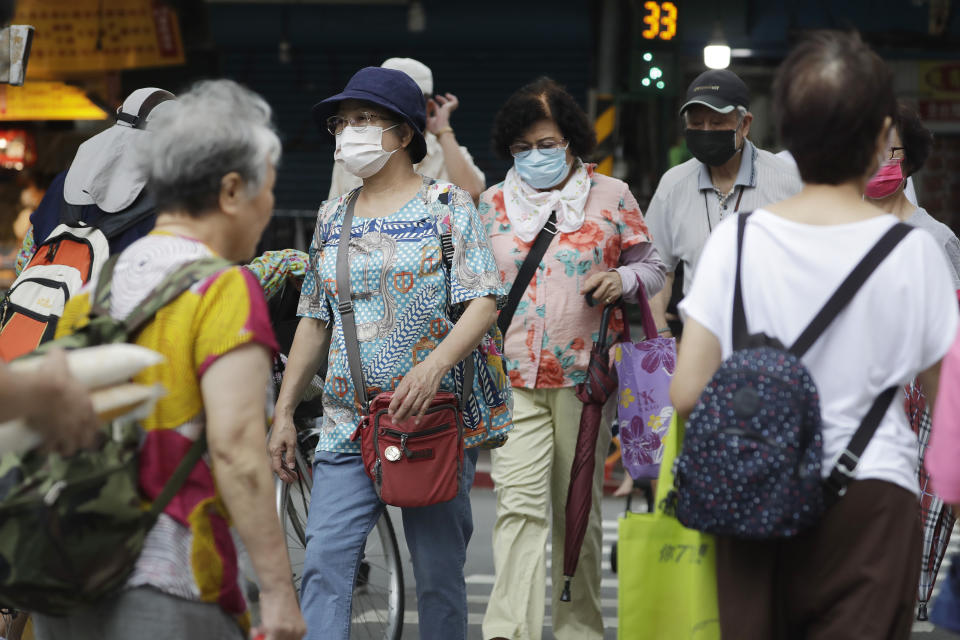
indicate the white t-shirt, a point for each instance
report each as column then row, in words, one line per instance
column 901, row 322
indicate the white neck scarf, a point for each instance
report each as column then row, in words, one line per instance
column 529, row 209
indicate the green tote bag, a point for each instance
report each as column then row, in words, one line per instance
column 667, row 573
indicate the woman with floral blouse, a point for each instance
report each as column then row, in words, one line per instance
column 602, row 247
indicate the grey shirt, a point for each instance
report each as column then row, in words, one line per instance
column 944, row 237
column 685, row 207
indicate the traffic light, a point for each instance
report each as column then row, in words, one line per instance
column 652, row 71
column 655, row 34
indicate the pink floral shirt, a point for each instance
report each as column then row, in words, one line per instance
column 549, row 340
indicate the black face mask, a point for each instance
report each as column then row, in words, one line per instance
column 712, row 148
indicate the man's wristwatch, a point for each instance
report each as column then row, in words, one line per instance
column 664, row 330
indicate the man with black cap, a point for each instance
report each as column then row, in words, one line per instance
column 726, row 175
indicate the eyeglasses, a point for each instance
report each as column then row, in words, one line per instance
column 894, row 151
column 522, row 149
column 335, row 124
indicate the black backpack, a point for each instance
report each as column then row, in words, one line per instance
column 750, row 466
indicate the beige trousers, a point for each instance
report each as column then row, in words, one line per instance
column 531, row 474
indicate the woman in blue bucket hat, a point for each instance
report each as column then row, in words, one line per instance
column 408, row 343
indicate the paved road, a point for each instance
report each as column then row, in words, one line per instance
column 479, row 572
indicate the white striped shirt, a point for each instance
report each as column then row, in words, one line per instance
column 685, row 207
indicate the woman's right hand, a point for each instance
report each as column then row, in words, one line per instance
column 282, row 447
column 281, row 618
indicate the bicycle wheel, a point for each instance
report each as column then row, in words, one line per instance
column 378, row 594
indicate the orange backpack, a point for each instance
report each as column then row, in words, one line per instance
column 67, row 259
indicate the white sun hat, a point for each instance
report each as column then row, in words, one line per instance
column 104, row 172
column 420, row 72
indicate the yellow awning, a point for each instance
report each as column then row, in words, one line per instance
column 37, row 100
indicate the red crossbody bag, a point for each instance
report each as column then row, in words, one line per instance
column 412, row 464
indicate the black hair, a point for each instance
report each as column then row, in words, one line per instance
column 830, row 97
column 542, row 98
column 915, row 139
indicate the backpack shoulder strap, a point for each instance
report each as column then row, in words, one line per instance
column 113, row 225
column 174, row 284
column 844, row 470
column 849, row 287
column 171, row 287
column 100, row 297
column 70, row 214
column 740, row 332
column 179, row 477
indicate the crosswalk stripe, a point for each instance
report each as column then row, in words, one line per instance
column 605, row 548
column 476, row 619
column 605, row 603
column 488, row 578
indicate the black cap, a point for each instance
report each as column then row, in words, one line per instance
column 720, row 89
column 391, row 89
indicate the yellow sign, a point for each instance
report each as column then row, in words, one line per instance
column 47, row 101
column 660, row 19
column 99, row 35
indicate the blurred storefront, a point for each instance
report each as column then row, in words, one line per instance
column 75, row 80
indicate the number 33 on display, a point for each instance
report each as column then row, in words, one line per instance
column 661, row 20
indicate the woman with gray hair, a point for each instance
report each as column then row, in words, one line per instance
column 211, row 165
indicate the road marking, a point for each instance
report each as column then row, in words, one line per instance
column 605, row 603
column 476, row 619
column 488, row 578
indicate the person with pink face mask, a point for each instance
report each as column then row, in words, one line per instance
column 910, row 144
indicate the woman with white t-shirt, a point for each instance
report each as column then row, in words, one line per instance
column 855, row 573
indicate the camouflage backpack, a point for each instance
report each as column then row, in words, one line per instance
column 71, row 529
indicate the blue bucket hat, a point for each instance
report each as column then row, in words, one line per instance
column 391, row 89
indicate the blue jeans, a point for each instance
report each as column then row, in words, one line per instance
column 344, row 507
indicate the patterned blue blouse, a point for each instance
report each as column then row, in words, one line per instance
column 402, row 299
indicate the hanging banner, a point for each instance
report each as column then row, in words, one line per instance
column 99, row 35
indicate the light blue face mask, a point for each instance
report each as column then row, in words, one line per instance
column 543, row 168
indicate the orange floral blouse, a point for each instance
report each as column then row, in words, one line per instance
column 549, row 340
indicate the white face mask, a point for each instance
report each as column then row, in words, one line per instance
column 361, row 152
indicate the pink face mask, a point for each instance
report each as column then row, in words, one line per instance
column 886, row 181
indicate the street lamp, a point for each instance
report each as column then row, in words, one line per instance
column 716, row 54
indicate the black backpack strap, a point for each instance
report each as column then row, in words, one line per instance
column 740, row 333
column 843, row 472
column 849, row 287
column 527, row 269
column 70, row 214
column 112, row 225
